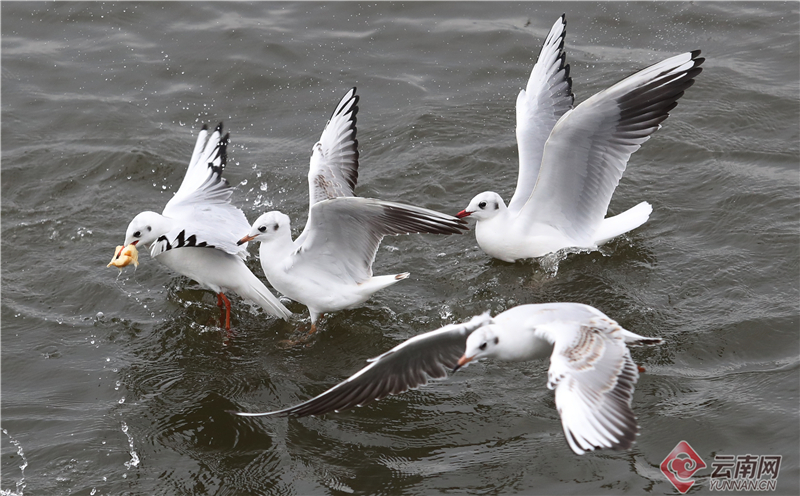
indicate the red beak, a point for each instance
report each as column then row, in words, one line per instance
column 463, row 214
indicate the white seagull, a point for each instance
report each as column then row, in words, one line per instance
column 591, row 368
column 571, row 160
column 329, row 266
column 195, row 234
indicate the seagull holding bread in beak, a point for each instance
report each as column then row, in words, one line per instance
column 195, row 234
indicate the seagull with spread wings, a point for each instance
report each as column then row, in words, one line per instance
column 195, row 234
column 571, row 159
column 591, row 368
column 329, row 266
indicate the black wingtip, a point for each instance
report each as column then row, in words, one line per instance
column 352, row 180
column 219, row 128
column 223, row 151
column 647, row 342
column 204, row 128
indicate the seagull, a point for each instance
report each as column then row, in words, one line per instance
column 591, row 369
column 193, row 234
column 571, row 159
column 329, row 266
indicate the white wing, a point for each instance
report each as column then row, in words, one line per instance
column 544, row 100
column 203, row 181
column 343, row 234
column 333, row 169
column 201, row 207
column 406, row 366
column 593, row 375
column 589, row 147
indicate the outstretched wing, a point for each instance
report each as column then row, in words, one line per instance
column 544, row 100
column 333, row 169
column 593, row 376
column 589, row 147
column 203, row 182
column 406, row 366
column 201, row 207
column 344, row 233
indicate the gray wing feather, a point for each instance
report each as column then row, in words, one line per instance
column 589, row 147
column 346, row 232
column 593, row 376
column 406, row 366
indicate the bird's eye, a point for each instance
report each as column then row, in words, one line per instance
column 262, row 229
column 275, row 227
column 483, row 345
column 496, row 340
column 149, row 228
column 137, row 234
column 482, row 205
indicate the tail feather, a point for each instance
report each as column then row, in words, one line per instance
column 611, row 227
column 376, row 283
column 633, row 339
column 253, row 289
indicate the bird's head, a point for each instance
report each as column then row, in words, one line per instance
column 268, row 227
column 483, row 343
column 145, row 228
column 484, row 206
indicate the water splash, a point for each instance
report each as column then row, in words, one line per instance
column 134, row 461
column 549, row 263
column 20, row 484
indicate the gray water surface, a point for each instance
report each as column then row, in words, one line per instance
column 120, row 384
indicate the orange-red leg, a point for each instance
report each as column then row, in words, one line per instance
column 223, row 300
column 304, row 339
